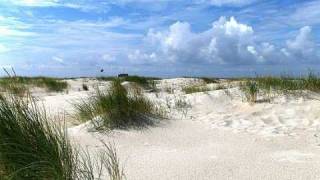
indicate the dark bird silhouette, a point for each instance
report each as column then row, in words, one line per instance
column 101, row 70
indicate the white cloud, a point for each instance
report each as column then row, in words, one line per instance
column 137, row 57
column 35, row 3
column 307, row 13
column 58, row 59
column 303, row 46
column 108, row 58
column 3, row 49
column 227, row 2
column 226, row 42
column 7, row 31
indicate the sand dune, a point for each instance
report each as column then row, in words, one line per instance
column 217, row 136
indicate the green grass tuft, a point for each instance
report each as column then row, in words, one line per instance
column 30, row 146
column 33, row 148
column 195, row 89
column 145, row 82
column 117, row 108
column 20, row 83
column 251, row 91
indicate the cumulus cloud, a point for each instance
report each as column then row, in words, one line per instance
column 303, row 46
column 226, row 42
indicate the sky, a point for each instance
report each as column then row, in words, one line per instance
column 167, row 38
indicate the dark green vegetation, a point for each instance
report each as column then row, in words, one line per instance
column 85, row 87
column 208, row 80
column 117, row 108
column 19, row 84
column 145, row 82
column 32, row 148
column 195, row 89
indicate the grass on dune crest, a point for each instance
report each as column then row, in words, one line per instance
column 283, row 84
column 145, row 82
column 287, row 83
column 117, row 108
column 32, row 148
column 195, row 89
column 51, row 84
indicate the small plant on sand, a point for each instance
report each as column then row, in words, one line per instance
column 117, row 108
column 32, row 148
column 85, row 87
column 251, row 91
column 182, row 105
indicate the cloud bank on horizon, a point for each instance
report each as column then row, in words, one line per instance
column 160, row 37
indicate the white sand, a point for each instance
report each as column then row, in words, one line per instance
column 219, row 137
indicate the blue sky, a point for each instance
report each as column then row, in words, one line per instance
column 160, row 37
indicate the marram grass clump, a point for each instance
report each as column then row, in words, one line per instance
column 251, row 90
column 118, row 108
column 20, row 84
column 196, row 88
column 32, row 148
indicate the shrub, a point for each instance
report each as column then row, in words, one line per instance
column 117, row 108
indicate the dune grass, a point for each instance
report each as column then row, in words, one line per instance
column 195, row 89
column 117, row 108
column 208, row 80
column 23, row 83
column 33, row 148
column 145, row 82
column 286, row 83
column 250, row 88
column 30, row 148
column 282, row 84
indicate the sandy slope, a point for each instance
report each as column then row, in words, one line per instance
column 219, row 137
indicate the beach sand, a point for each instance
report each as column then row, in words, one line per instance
column 218, row 136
